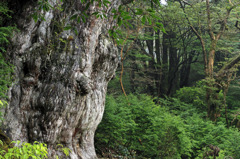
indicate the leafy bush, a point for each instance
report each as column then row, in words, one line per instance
column 26, row 150
column 195, row 95
column 203, row 132
column 233, row 96
column 138, row 126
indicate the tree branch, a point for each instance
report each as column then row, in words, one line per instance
column 228, row 66
column 209, row 22
column 124, row 2
column 197, row 34
column 236, row 25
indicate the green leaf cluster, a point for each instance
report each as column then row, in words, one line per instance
column 26, row 150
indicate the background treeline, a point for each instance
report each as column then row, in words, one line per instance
column 175, row 106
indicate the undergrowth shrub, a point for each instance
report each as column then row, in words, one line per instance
column 139, row 128
column 203, row 132
column 19, row 150
column 195, row 95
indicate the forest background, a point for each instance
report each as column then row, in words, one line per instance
column 176, row 91
column 175, row 105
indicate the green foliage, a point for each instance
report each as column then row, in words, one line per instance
column 65, row 150
column 233, row 96
column 26, row 150
column 6, row 69
column 123, row 15
column 43, row 5
column 131, row 20
column 138, row 127
column 195, row 95
column 204, row 133
column 5, row 32
column 5, row 76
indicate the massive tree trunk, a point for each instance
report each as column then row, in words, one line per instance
column 60, row 77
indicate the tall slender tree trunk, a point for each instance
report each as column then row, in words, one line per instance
column 173, row 75
column 60, row 77
column 151, row 68
column 185, row 69
column 211, row 90
column 132, row 72
column 158, row 74
column 164, row 79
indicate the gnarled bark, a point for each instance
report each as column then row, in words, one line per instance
column 60, row 83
